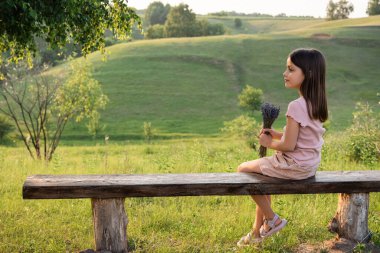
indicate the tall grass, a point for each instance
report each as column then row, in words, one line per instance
column 169, row 224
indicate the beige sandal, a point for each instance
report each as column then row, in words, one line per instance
column 249, row 240
column 273, row 228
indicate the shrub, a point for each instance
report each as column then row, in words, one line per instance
column 155, row 32
column 238, row 22
column 364, row 135
column 244, row 127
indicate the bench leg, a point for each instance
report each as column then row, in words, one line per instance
column 110, row 225
column 351, row 219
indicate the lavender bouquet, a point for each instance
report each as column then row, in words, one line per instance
column 270, row 113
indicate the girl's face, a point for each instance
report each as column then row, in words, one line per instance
column 293, row 75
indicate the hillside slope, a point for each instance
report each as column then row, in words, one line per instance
column 189, row 86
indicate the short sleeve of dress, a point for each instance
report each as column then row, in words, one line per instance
column 298, row 112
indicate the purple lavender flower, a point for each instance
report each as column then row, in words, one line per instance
column 270, row 113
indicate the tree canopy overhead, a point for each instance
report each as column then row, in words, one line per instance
column 82, row 21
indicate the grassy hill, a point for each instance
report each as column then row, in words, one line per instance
column 189, row 86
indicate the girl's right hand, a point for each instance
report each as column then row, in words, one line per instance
column 273, row 133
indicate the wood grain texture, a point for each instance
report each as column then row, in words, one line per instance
column 196, row 184
column 351, row 218
column 110, row 225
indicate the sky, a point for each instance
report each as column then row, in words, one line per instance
column 316, row 8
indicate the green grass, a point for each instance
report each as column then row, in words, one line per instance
column 172, row 224
column 189, row 86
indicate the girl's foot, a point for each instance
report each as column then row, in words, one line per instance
column 249, row 239
column 272, row 226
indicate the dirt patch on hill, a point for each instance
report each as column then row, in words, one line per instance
column 321, row 36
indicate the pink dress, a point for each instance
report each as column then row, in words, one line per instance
column 304, row 160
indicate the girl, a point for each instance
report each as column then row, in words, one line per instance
column 298, row 149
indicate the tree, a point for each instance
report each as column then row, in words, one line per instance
column 156, row 13
column 238, row 23
column 82, row 21
column 373, row 7
column 41, row 106
column 339, row 10
column 251, row 98
column 181, row 22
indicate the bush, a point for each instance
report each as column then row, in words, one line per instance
column 155, row 32
column 363, row 149
column 364, row 135
column 215, row 29
column 244, row 127
column 238, row 23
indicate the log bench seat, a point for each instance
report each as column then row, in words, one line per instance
column 108, row 193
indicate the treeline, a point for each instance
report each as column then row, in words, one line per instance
column 254, row 15
column 165, row 21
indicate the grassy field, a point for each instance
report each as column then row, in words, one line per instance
column 189, row 86
column 173, row 224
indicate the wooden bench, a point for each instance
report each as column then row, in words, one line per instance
column 108, row 193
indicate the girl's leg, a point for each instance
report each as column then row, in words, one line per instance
column 259, row 220
column 263, row 208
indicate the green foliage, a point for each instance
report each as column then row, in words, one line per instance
column 149, row 132
column 82, row 21
column 181, row 22
column 215, row 29
column 364, row 135
column 243, row 127
column 155, row 32
column 94, row 126
column 251, row 98
column 238, row 23
column 6, row 127
column 373, row 7
column 81, row 95
column 156, row 13
column 339, row 10
column 40, row 106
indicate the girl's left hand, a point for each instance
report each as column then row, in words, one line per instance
column 265, row 140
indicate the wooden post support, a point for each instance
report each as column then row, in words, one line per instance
column 351, row 219
column 110, row 225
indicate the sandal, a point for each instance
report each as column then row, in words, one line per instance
column 273, row 228
column 249, row 240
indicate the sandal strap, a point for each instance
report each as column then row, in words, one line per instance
column 272, row 223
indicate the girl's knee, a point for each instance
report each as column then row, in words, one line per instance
column 243, row 167
column 250, row 166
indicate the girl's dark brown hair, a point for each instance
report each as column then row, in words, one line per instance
column 313, row 88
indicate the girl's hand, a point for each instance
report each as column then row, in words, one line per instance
column 265, row 140
column 273, row 133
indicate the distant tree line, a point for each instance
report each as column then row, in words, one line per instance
column 177, row 21
column 254, row 15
